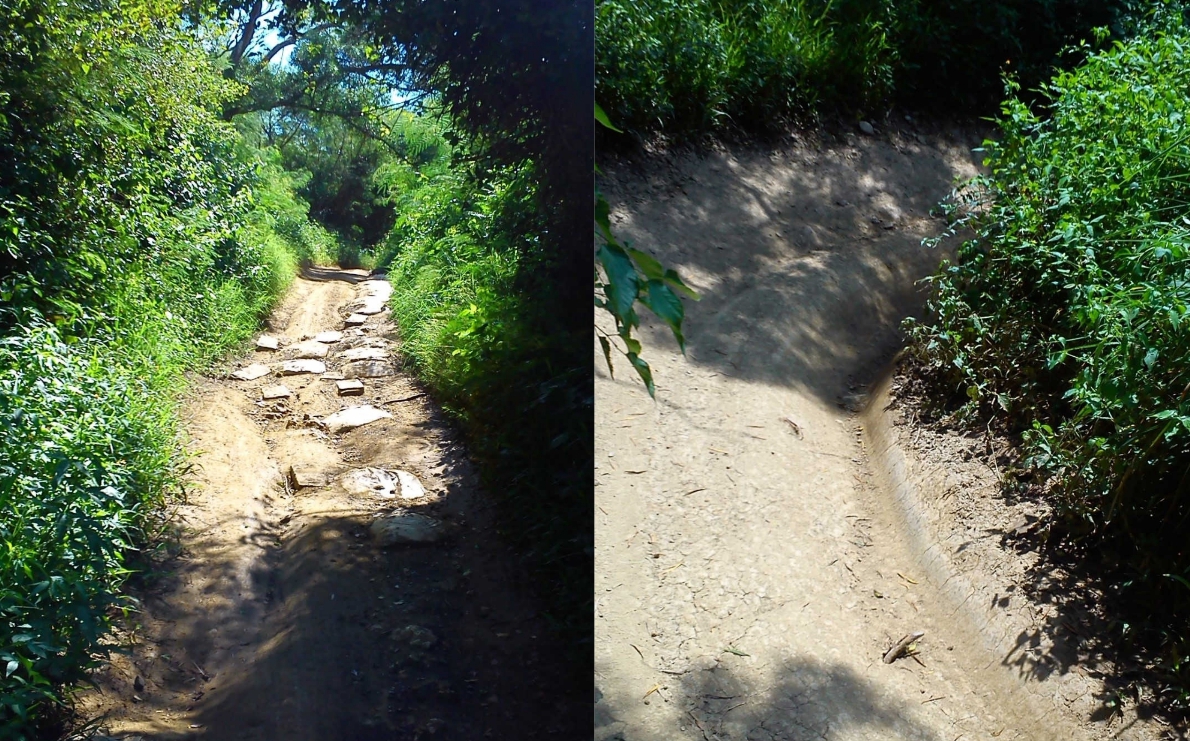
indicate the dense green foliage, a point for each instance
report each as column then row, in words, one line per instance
column 499, row 357
column 1066, row 317
column 694, row 66
column 140, row 237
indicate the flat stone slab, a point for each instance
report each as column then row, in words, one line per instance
column 355, row 320
column 352, row 417
column 406, row 527
column 330, row 337
column 296, row 367
column 367, row 369
column 350, row 387
column 264, row 342
column 364, row 353
column 251, row 372
column 369, row 307
column 308, row 349
column 305, row 478
column 280, row 391
column 383, row 484
column 331, row 376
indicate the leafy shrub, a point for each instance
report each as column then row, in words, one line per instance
column 138, row 239
column 1066, row 316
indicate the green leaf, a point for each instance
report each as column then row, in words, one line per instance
column 622, row 283
column 671, row 278
column 602, row 118
column 11, row 667
column 647, row 264
column 668, row 308
column 645, row 373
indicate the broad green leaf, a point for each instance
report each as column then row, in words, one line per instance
column 602, row 118
column 668, row 308
column 622, row 284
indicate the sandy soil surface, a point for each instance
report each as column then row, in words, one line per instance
column 284, row 616
column 751, row 567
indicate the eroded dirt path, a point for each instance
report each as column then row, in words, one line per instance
column 750, row 573
column 290, row 613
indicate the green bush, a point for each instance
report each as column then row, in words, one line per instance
column 477, row 325
column 1066, row 316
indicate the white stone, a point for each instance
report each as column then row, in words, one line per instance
column 367, row 369
column 264, row 342
column 280, row 391
column 295, row 367
column 251, row 372
column 308, row 349
column 329, row 337
column 374, row 481
column 350, row 387
column 411, row 488
column 352, row 417
column 355, row 320
column 406, row 527
column 364, row 353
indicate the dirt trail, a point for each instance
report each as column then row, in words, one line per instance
column 285, row 615
column 751, row 570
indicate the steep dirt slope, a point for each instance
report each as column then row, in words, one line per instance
column 289, row 612
column 750, row 571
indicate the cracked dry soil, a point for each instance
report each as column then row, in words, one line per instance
column 282, row 616
column 751, row 570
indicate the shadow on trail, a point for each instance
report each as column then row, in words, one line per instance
column 807, row 261
column 357, row 643
column 805, row 700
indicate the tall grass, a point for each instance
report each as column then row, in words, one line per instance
column 692, row 67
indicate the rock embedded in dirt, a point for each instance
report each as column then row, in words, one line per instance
column 406, row 527
column 355, row 320
column 306, row 478
column 331, row 376
column 297, row 367
column 308, row 349
column 330, row 337
column 367, row 369
column 352, row 417
column 364, row 353
column 374, row 481
column 350, row 387
column 280, row 391
column 264, row 342
column 251, row 372
column 411, row 487
column 867, row 128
